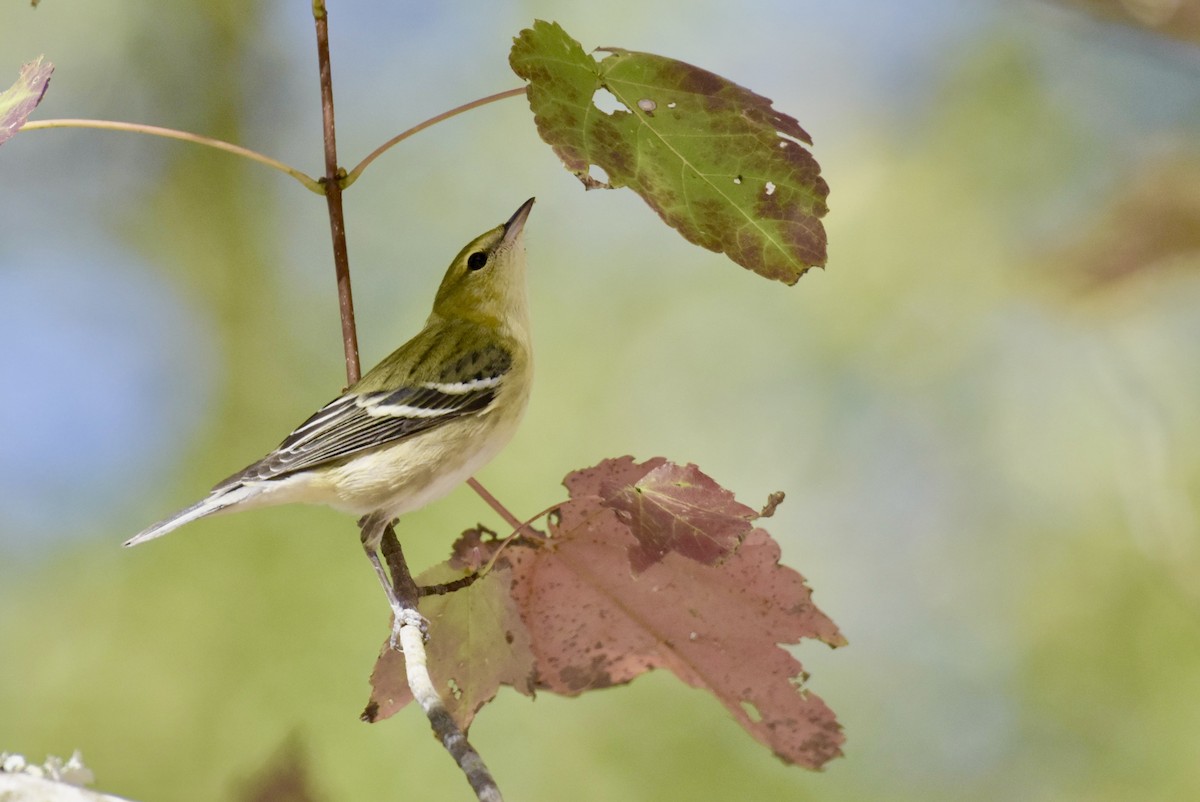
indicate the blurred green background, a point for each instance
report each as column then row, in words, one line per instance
column 984, row 412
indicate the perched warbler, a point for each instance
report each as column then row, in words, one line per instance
column 421, row 421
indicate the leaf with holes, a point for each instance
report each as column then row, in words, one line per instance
column 594, row 624
column 568, row 615
column 19, row 100
column 716, row 161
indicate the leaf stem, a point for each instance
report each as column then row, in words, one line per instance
column 446, row 115
column 495, row 504
column 185, row 136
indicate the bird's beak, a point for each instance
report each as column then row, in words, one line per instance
column 512, row 229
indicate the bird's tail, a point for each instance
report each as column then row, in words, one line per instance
column 213, row 503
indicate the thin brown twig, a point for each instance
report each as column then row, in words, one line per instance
column 406, row 587
column 411, row 636
column 184, row 136
column 333, row 198
column 353, row 175
column 446, row 588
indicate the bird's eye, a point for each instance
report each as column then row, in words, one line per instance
column 477, row 260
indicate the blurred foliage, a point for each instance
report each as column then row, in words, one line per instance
column 983, row 413
column 284, row 779
column 1177, row 18
column 1152, row 224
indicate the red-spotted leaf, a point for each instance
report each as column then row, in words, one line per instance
column 477, row 643
column 19, row 100
column 593, row 624
column 716, row 161
column 674, row 508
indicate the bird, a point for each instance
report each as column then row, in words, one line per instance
column 419, row 423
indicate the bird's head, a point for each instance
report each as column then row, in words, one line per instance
column 486, row 281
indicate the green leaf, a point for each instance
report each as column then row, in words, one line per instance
column 715, row 160
column 19, row 100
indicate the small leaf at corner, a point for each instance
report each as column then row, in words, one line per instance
column 19, row 100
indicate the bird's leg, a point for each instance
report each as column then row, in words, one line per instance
column 401, row 589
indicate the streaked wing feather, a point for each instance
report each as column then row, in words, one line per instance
column 357, row 422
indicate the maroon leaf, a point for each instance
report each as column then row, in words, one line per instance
column 593, row 623
column 676, row 508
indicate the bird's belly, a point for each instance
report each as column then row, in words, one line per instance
column 407, row 476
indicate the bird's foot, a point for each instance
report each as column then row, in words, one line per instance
column 403, row 616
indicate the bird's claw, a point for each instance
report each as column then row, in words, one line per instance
column 407, row 617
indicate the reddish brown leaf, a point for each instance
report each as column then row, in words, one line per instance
column 593, row 624
column 472, row 549
column 674, row 508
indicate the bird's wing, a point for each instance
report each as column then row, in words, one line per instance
column 358, row 421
